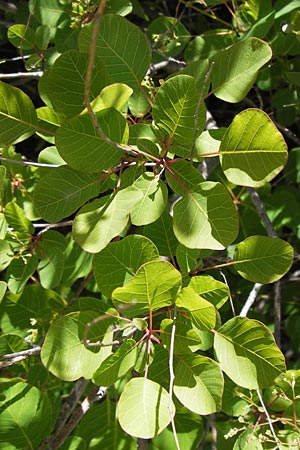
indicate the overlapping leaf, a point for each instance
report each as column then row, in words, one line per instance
column 119, row 261
column 126, row 53
column 205, row 217
column 247, row 353
column 201, row 312
column 144, row 408
column 83, row 149
column 252, row 151
column 262, row 259
column 18, row 118
column 62, row 191
column 155, row 286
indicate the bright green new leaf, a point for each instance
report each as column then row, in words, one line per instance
column 49, row 121
column 153, row 201
column 198, row 383
column 144, row 408
column 61, row 191
column 205, row 218
column 83, row 149
column 212, row 290
column 155, row 286
column 63, row 352
column 174, row 110
column 65, row 83
column 22, row 418
column 119, row 261
column 126, row 53
column 21, row 36
column 98, row 222
column 116, row 365
column 186, row 338
column 262, row 259
column 16, row 218
column 18, row 118
column 19, row 271
column 252, row 151
column 236, row 68
column 113, row 96
column 161, row 234
column 201, row 312
column 247, row 353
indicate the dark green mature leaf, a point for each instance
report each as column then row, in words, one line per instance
column 198, row 383
column 119, row 261
column 62, row 191
column 126, row 53
column 144, row 408
column 19, row 271
column 48, row 12
column 205, row 217
column 65, row 83
column 18, row 118
column 162, row 235
column 247, row 353
column 155, row 286
column 21, row 36
column 98, row 222
column 236, row 68
column 83, row 149
column 174, row 112
column 262, row 259
column 22, row 418
column 252, row 151
column 49, row 121
column 182, row 176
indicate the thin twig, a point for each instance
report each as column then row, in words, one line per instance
column 38, row 74
column 172, row 377
column 277, row 312
column 13, row 358
column 22, row 162
column 268, row 419
column 251, row 299
column 81, row 288
column 262, row 212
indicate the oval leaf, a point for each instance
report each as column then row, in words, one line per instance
column 252, row 151
column 262, row 259
column 144, row 408
column 206, row 218
column 247, row 353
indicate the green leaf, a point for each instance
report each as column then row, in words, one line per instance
column 98, row 222
column 113, row 96
column 262, row 259
column 126, row 54
column 83, row 149
column 63, row 352
column 201, row 312
column 18, row 118
column 21, row 36
column 252, row 151
column 121, row 7
column 78, row 263
column 153, row 201
column 205, row 218
column 119, row 261
column 248, row 441
column 236, row 68
column 61, row 191
column 198, row 383
column 144, row 408
column 47, row 12
column 155, row 286
column 174, row 112
column 51, row 265
column 161, row 234
column 65, row 83
column 22, row 419
column 49, row 121
column 116, row 365
column 183, row 177
column 186, row 338
column 247, row 353
column 19, row 271
column 16, row 218
column 212, row 290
